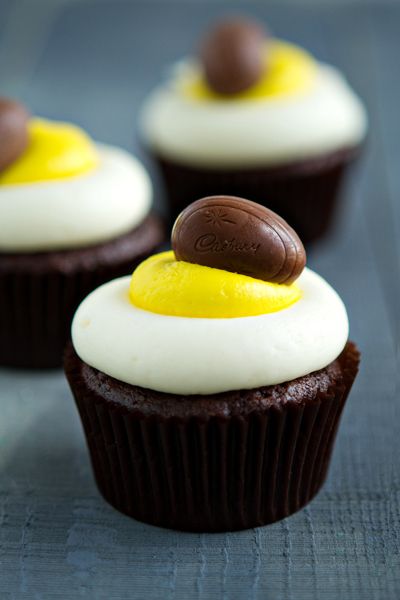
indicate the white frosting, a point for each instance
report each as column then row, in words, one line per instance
column 76, row 211
column 270, row 131
column 204, row 356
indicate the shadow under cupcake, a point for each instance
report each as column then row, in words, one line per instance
column 210, row 384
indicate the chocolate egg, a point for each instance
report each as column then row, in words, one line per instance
column 13, row 131
column 232, row 55
column 233, row 234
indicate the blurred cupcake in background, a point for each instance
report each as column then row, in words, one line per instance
column 73, row 214
column 255, row 116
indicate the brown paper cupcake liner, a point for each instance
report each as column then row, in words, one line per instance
column 305, row 193
column 39, row 292
column 195, row 469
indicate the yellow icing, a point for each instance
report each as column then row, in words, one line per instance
column 163, row 285
column 55, row 151
column 289, row 70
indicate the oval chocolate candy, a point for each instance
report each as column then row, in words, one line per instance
column 232, row 55
column 13, row 131
column 233, row 234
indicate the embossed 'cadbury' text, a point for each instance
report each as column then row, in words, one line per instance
column 210, row 243
column 240, row 236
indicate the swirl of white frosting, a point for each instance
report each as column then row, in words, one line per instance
column 271, row 131
column 204, row 356
column 76, row 211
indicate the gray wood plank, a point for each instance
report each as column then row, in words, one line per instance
column 58, row 538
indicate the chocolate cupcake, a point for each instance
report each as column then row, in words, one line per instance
column 210, row 384
column 255, row 116
column 73, row 214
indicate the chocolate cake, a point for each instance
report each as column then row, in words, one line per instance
column 229, row 461
column 39, row 292
column 305, row 193
column 73, row 214
column 210, row 398
column 254, row 116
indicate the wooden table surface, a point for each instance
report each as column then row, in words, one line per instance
column 93, row 62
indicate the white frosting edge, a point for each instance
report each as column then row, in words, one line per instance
column 204, row 356
column 79, row 211
column 273, row 131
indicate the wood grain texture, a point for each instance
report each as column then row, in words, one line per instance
column 58, row 539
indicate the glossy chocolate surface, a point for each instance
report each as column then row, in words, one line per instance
column 232, row 55
column 13, row 131
column 237, row 235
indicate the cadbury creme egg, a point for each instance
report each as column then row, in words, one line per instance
column 13, row 131
column 232, row 55
column 237, row 235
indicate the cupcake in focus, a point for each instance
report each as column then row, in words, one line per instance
column 258, row 117
column 210, row 384
column 73, row 214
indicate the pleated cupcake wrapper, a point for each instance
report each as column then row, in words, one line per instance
column 39, row 293
column 306, row 200
column 36, row 310
column 213, row 474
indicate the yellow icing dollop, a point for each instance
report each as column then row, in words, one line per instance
column 55, row 151
column 164, row 285
column 288, row 70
